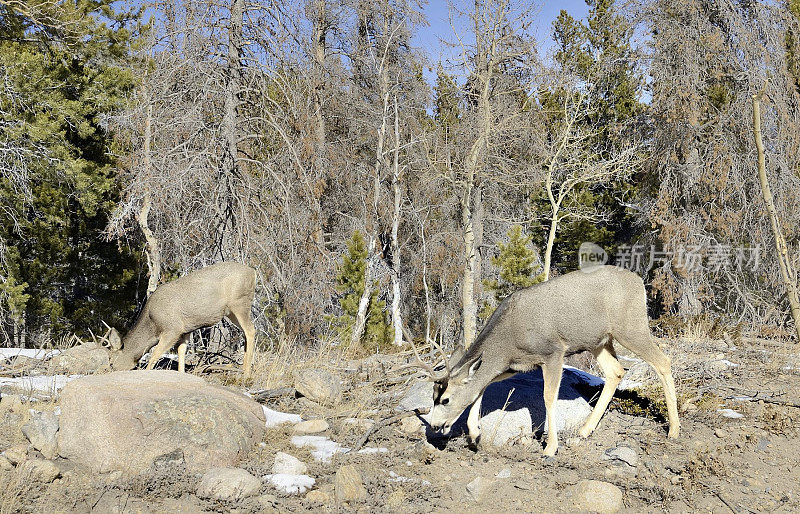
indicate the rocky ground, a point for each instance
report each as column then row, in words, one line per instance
column 338, row 436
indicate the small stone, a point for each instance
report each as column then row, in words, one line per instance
column 504, row 473
column 348, row 485
column 360, row 423
column 622, row 455
column 11, row 403
column 228, row 484
column 478, row 487
column 397, row 498
column 425, row 452
column 16, row 454
column 317, row 496
column 721, row 433
column 41, row 432
column 596, row 496
column 5, row 464
column 319, row 386
column 410, row 425
column 288, row 465
column 39, row 470
column 312, row 426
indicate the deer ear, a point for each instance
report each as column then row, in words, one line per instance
column 475, row 365
column 115, row 340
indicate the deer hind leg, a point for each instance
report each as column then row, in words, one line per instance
column 241, row 318
column 612, row 372
column 182, row 353
column 641, row 343
column 551, row 372
column 165, row 342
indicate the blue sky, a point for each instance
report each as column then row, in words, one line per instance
column 429, row 38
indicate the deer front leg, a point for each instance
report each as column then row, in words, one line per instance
column 474, row 423
column 165, row 342
column 551, row 371
column 182, row 353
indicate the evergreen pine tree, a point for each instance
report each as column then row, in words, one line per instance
column 350, row 285
column 518, row 269
column 65, row 69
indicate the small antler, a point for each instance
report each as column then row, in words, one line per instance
column 430, row 369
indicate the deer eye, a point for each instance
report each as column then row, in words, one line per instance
column 445, row 401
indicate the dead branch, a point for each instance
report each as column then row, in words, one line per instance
column 386, row 422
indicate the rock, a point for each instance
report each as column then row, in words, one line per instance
column 721, row 433
column 122, row 421
column 498, row 428
column 83, row 359
column 5, row 464
column 288, row 465
column 479, row 486
column 317, row 496
column 16, row 454
column 267, row 501
column 228, row 484
column 418, row 396
column 504, row 473
column 319, row 386
column 397, row 498
column 11, row 403
column 312, row 426
column 410, row 425
column 348, row 485
column 523, row 392
column 596, row 496
column 425, row 452
column 623, row 455
column 170, row 461
column 41, row 432
column 38, row 470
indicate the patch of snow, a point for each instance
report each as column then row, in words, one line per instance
column 292, row 484
column 370, row 450
column 730, row 413
column 324, row 448
column 48, row 384
column 587, row 377
column 33, row 353
column 729, row 363
column 275, row 418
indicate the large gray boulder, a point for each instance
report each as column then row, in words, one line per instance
column 122, row 421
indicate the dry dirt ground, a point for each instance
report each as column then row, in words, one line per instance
column 719, row 464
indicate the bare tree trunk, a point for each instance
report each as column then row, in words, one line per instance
column 397, row 320
column 469, row 308
column 788, row 274
column 372, row 218
column 230, row 119
column 548, row 250
column 319, row 51
column 153, row 250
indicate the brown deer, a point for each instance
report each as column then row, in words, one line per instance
column 199, row 299
column 538, row 326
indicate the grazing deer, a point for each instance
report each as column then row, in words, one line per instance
column 539, row 326
column 200, row 299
